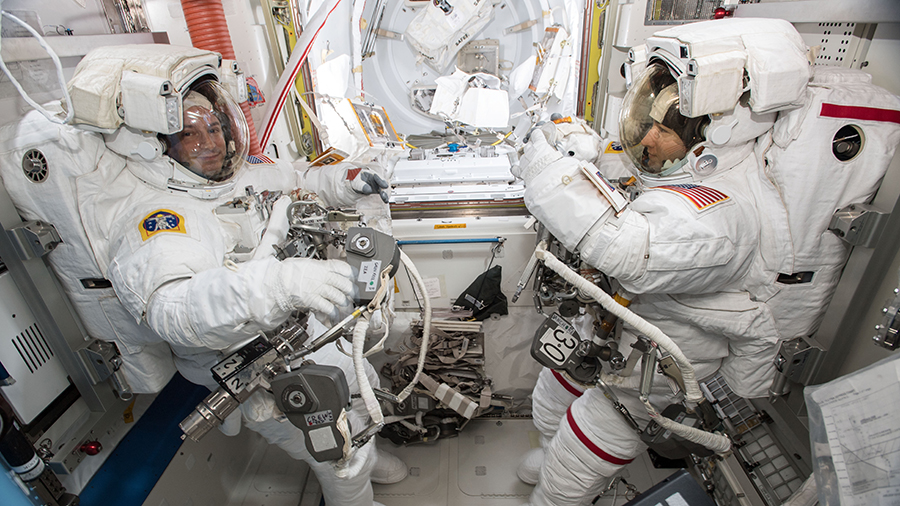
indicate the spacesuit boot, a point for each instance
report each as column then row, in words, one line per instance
column 529, row 469
column 388, row 468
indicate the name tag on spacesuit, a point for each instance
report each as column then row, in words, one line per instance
column 609, row 192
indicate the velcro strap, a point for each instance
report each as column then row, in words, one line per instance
column 449, row 396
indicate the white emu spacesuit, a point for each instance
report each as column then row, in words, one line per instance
column 727, row 248
column 192, row 271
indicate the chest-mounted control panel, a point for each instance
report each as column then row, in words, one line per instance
column 314, row 398
column 369, row 252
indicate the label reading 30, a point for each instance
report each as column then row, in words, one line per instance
column 557, row 345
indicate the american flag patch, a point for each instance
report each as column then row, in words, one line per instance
column 701, row 196
column 259, row 159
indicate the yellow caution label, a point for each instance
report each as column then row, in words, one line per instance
column 450, row 225
column 396, row 286
column 128, row 414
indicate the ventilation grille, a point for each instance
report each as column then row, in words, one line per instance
column 668, row 12
column 834, row 42
column 32, row 347
column 769, row 466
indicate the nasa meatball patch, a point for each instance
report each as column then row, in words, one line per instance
column 159, row 221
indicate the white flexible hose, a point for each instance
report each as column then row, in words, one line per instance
column 715, row 442
column 426, row 324
column 359, row 366
column 70, row 110
column 692, row 389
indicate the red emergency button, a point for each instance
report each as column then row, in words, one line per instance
column 91, row 447
column 722, row 12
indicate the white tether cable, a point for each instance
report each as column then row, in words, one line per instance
column 70, row 111
column 426, row 325
column 359, row 339
column 692, row 389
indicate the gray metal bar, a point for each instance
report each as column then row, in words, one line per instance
column 609, row 37
column 821, row 11
column 27, row 48
column 51, row 309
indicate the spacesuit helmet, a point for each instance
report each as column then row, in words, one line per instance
column 213, row 143
column 654, row 133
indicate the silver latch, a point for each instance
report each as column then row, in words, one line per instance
column 796, row 361
column 104, row 362
column 34, row 239
column 888, row 335
column 859, row 224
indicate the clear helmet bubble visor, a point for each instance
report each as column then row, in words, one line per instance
column 213, row 143
column 652, row 131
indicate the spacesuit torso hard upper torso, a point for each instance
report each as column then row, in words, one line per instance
column 779, row 283
column 144, row 237
column 705, row 268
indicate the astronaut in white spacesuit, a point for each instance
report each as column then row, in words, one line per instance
column 727, row 248
column 199, row 271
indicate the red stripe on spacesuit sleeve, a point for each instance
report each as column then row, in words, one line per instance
column 590, row 445
column 860, row 113
column 565, row 383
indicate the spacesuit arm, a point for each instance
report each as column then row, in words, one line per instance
column 177, row 284
column 218, row 307
column 557, row 193
column 341, row 185
column 658, row 244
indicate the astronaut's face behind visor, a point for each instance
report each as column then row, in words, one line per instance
column 201, row 145
column 213, row 141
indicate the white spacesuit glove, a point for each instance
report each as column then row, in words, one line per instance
column 558, row 194
column 367, row 183
column 321, row 286
column 219, row 307
column 538, row 155
column 575, row 138
column 343, row 184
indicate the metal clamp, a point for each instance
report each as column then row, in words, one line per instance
column 34, row 239
column 796, row 361
column 859, row 224
column 104, row 362
column 888, row 335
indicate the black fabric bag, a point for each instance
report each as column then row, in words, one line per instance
column 483, row 296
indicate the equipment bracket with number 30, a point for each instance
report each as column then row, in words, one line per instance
column 554, row 346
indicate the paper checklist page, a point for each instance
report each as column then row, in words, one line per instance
column 860, row 415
